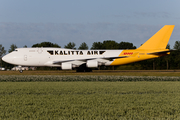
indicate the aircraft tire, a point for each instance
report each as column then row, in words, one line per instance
column 20, row 71
column 83, row 68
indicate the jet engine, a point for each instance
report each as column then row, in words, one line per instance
column 92, row 63
column 66, row 66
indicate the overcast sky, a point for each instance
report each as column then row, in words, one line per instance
column 27, row 22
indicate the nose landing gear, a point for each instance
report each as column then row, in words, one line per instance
column 20, row 70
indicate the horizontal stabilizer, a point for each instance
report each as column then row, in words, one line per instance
column 160, row 53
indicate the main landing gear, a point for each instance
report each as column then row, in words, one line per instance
column 83, row 68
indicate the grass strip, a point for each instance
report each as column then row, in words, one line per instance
column 67, row 78
column 90, row 100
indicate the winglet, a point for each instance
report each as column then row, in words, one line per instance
column 160, row 39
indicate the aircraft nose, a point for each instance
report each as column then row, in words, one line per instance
column 7, row 58
column 4, row 58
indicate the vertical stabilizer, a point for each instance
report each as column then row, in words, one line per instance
column 160, row 39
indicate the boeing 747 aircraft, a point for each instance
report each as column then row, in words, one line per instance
column 83, row 60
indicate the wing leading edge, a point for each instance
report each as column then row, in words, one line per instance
column 85, row 60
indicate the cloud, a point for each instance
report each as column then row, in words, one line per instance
column 152, row 14
column 31, row 33
column 142, row 15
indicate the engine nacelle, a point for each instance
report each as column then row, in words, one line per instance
column 92, row 64
column 66, row 66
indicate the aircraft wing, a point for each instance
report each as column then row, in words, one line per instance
column 74, row 61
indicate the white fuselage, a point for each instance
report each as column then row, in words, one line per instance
column 55, row 57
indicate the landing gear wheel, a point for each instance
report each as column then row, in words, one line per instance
column 83, row 68
column 20, row 71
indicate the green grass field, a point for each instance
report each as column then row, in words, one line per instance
column 99, row 72
column 90, row 100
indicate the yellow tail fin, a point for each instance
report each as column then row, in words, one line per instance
column 160, row 39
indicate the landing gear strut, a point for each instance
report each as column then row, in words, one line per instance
column 20, row 69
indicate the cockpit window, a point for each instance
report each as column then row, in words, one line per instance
column 16, row 50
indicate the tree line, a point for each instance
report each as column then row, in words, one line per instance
column 171, row 61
